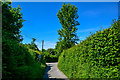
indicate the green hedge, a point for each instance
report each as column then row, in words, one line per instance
column 96, row 57
column 18, row 63
column 49, row 57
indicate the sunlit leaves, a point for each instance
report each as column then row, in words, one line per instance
column 101, row 51
column 67, row 34
column 18, row 60
column 12, row 20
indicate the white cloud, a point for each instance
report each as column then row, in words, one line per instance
column 80, row 37
column 47, row 44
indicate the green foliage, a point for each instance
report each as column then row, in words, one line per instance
column 50, row 55
column 67, row 34
column 18, row 61
column 59, row 47
column 51, row 51
column 11, row 21
column 32, row 45
column 96, row 57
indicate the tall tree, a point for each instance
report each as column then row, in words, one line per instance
column 13, row 54
column 33, row 45
column 51, row 51
column 33, row 40
column 11, row 21
column 67, row 17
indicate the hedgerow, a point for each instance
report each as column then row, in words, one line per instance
column 18, row 62
column 49, row 57
column 96, row 57
column 17, row 59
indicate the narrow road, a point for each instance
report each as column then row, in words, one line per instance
column 53, row 72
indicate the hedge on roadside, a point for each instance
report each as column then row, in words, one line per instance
column 96, row 57
column 18, row 63
column 49, row 57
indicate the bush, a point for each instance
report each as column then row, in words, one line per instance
column 18, row 62
column 96, row 57
column 49, row 57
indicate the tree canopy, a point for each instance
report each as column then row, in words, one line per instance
column 67, row 34
column 12, row 21
column 18, row 60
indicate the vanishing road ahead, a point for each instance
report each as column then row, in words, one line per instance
column 53, row 72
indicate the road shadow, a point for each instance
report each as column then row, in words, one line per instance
column 46, row 75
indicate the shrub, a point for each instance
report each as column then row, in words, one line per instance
column 96, row 57
column 18, row 62
column 49, row 57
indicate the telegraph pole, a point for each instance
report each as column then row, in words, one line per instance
column 42, row 44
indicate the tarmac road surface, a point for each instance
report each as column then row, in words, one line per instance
column 53, row 72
